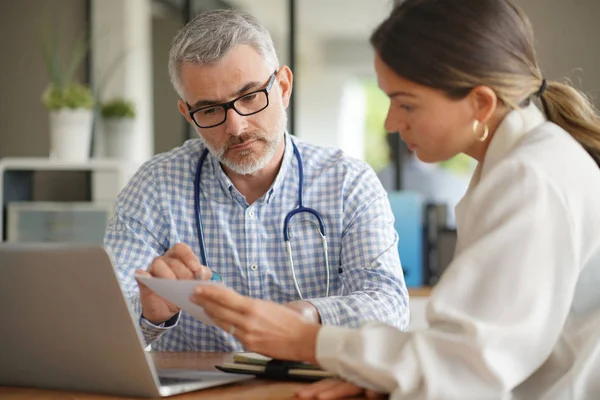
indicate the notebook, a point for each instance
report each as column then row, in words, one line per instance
column 268, row 368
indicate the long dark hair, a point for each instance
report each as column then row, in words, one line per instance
column 456, row 45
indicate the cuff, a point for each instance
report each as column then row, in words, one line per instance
column 152, row 332
column 330, row 342
column 329, row 314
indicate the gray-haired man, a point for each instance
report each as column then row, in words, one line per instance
column 229, row 204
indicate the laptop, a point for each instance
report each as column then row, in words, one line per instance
column 65, row 324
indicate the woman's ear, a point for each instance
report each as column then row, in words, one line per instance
column 484, row 102
column 286, row 80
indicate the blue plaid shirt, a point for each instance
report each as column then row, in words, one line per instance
column 245, row 243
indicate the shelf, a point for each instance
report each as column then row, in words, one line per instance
column 104, row 179
column 48, row 164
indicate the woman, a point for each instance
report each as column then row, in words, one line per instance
column 517, row 313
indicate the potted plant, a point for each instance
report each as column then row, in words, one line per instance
column 118, row 117
column 70, row 105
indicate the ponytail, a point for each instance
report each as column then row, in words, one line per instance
column 570, row 109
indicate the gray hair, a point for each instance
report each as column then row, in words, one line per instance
column 212, row 34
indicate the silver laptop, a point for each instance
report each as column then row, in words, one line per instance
column 65, row 324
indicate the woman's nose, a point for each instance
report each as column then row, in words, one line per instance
column 393, row 123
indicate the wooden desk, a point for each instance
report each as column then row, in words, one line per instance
column 254, row 389
column 424, row 291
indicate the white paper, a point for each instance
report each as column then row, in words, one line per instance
column 179, row 292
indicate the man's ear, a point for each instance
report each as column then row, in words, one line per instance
column 484, row 103
column 285, row 77
column 184, row 111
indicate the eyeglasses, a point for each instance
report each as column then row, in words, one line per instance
column 248, row 104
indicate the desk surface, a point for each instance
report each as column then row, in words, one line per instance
column 254, row 389
column 424, row 291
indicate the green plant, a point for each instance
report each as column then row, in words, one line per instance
column 72, row 96
column 118, row 108
column 63, row 91
column 54, row 66
column 377, row 104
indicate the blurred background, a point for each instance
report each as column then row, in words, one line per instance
column 61, row 172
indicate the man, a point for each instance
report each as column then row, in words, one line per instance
column 225, row 197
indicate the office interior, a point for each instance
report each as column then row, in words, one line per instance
column 336, row 103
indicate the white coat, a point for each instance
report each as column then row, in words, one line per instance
column 517, row 313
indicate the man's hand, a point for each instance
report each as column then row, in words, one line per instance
column 262, row 326
column 336, row 389
column 179, row 262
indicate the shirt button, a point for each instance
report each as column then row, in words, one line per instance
column 251, row 214
column 254, row 267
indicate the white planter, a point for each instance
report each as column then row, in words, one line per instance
column 119, row 138
column 70, row 134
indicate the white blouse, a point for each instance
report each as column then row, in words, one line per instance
column 516, row 315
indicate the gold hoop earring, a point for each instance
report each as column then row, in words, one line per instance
column 486, row 131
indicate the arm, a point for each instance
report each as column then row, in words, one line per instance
column 372, row 274
column 134, row 237
column 497, row 312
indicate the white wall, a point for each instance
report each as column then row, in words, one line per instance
column 330, row 102
column 24, row 130
column 170, row 128
column 122, row 60
column 566, row 35
column 333, row 52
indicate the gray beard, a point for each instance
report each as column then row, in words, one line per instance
column 249, row 166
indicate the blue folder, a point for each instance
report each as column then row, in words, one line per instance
column 408, row 209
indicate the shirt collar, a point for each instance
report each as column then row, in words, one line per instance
column 222, row 178
column 511, row 130
column 288, row 159
column 230, row 190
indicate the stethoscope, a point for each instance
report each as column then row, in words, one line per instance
column 286, row 235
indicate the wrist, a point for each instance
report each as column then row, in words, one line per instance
column 163, row 322
column 309, row 312
column 307, row 343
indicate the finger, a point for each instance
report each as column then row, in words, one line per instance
column 204, row 273
column 180, row 270
column 222, row 296
column 144, row 273
column 339, row 391
column 226, row 326
column 219, row 312
column 311, row 391
column 144, row 290
column 371, row 395
column 160, row 269
column 186, row 255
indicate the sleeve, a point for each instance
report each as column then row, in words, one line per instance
column 373, row 280
column 136, row 234
column 152, row 331
column 498, row 310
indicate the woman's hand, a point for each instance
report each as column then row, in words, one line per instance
column 261, row 326
column 329, row 389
